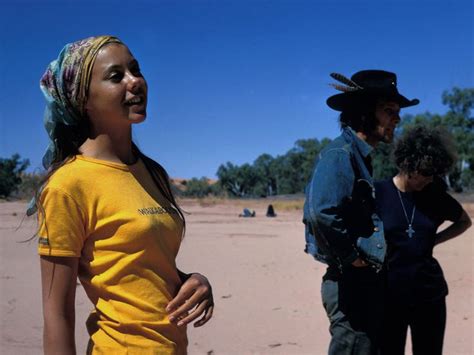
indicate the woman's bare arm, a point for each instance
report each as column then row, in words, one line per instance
column 455, row 229
column 58, row 279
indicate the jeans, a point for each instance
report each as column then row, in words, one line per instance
column 354, row 304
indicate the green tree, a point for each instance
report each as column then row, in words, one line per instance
column 458, row 121
column 309, row 149
column 30, row 183
column 265, row 178
column 288, row 173
column 382, row 162
column 459, row 101
column 285, row 174
column 296, row 166
column 10, row 174
column 237, row 181
column 197, row 188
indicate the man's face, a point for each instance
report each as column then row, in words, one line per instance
column 387, row 114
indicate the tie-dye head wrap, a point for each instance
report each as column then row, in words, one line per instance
column 65, row 85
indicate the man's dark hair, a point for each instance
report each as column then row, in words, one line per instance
column 359, row 119
column 361, row 115
column 424, row 150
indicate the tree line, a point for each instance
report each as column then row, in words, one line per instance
column 289, row 173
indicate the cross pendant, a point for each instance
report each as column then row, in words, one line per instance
column 410, row 231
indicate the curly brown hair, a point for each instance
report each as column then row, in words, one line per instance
column 425, row 150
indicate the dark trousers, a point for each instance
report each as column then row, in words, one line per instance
column 354, row 305
column 427, row 323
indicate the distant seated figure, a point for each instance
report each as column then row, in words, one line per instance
column 271, row 211
column 247, row 213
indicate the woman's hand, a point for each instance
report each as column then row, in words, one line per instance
column 193, row 300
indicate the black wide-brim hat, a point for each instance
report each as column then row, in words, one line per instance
column 365, row 86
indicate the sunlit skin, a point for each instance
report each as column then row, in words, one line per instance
column 117, row 98
column 118, row 90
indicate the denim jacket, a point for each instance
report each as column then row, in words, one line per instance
column 339, row 211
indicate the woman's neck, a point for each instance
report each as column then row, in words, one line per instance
column 401, row 182
column 114, row 148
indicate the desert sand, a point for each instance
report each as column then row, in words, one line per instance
column 266, row 289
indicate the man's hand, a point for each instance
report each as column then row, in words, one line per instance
column 359, row 263
column 193, row 300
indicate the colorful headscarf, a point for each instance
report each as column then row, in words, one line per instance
column 65, row 85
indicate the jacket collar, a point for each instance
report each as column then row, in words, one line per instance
column 363, row 147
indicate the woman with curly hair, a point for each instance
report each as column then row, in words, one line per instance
column 107, row 213
column 412, row 205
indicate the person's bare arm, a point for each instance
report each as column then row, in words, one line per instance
column 455, row 229
column 58, row 279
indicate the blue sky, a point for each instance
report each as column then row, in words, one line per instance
column 230, row 80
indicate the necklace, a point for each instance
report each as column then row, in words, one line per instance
column 410, row 231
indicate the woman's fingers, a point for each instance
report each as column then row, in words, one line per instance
column 194, row 314
column 193, row 299
column 207, row 315
column 184, row 308
column 184, row 293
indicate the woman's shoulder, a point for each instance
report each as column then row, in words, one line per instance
column 85, row 173
column 383, row 184
column 437, row 187
column 433, row 192
column 383, row 191
column 437, row 203
column 71, row 174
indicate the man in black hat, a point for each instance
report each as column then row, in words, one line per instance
column 342, row 227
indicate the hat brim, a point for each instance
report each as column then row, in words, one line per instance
column 341, row 101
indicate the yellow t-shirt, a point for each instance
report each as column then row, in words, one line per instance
column 126, row 236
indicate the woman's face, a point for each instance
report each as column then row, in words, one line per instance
column 417, row 182
column 117, row 91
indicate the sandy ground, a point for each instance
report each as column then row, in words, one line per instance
column 267, row 291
